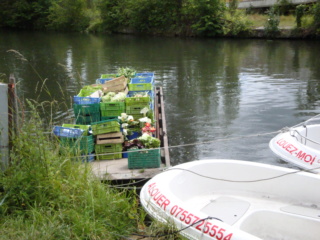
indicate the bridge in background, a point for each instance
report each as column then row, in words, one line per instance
column 268, row 3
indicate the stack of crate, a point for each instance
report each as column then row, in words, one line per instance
column 111, row 83
column 76, row 138
column 109, row 139
column 86, row 109
column 141, row 85
column 111, row 110
column 87, row 113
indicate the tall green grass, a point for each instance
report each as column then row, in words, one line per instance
column 45, row 194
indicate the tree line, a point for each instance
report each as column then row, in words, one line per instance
column 174, row 17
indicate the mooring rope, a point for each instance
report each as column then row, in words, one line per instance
column 200, row 143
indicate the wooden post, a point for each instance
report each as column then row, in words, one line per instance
column 4, row 127
column 13, row 105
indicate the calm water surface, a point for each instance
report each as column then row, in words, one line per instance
column 222, row 97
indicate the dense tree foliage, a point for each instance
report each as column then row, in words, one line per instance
column 113, row 14
column 68, row 15
column 174, row 17
column 27, row 14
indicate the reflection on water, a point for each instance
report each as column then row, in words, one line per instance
column 221, row 95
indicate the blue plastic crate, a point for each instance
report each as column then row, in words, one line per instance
column 102, row 80
column 85, row 100
column 88, row 157
column 145, row 74
column 134, row 135
column 67, row 132
column 139, row 80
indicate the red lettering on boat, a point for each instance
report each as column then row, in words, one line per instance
column 301, row 155
column 184, row 216
column 165, row 204
column 158, row 197
column 306, row 157
column 287, row 146
column 291, row 149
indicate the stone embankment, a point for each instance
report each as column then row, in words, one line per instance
column 284, row 33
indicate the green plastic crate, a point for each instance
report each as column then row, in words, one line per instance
column 88, row 90
column 85, row 109
column 111, row 150
column 116, row 106
column 103, row 118
column 84, row 144
column 87, row 119
column 109, row 156
column 110, row 109
column 106, row 126
column 108, row 148
column 149, row 158
column 136, row 109
column 140, row 86
column 111, row 113
column 131, row 101
column 85, row 128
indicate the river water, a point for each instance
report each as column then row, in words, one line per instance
column 224, row 98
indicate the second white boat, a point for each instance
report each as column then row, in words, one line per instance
column 300, row 145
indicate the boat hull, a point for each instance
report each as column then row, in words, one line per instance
column 243, row 200
column 298, row 146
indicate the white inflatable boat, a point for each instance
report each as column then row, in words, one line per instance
column 300, row 145
column 235, row 200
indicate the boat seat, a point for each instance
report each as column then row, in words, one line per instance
column 273, row 225
column 228, row 209
column 313, row 212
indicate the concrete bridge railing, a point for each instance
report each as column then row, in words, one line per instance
column 268, row 3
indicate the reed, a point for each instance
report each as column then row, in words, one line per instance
column 48, row 194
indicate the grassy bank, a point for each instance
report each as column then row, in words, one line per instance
column 45, row 194
column 289, row 21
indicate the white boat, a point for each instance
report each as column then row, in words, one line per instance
column 235, row 200
column 300, row 145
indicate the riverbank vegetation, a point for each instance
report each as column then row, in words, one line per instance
column 208, row 18
column 46, row 193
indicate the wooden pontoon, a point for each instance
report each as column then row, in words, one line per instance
column 118, row 169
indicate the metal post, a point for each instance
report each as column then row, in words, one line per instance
column 4, row 126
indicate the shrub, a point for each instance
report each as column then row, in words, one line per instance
column 206, row 17
column 113, row 14
column 316, row 15
column 300, row 10
column 272, row 24
column 152, row 15
column 237, row 23
column 68, row 15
